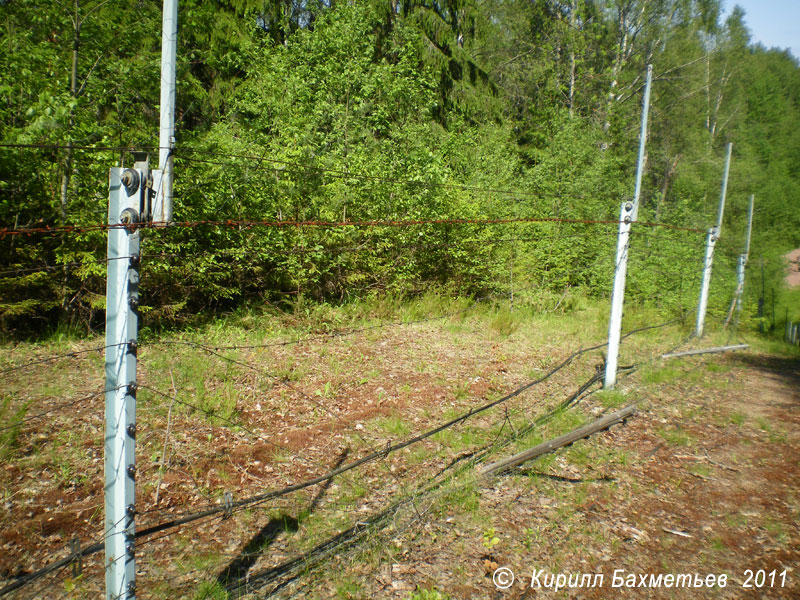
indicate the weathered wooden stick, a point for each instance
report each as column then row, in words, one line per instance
column 706, row 350
column 559, row 442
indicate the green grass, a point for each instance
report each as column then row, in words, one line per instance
column 700, row 469
column 428, row 594
column 776, row 531
column 659, row 375
column 395, row 426
column 9, row 417
column 463, row 496
column 775, row 436
column 349, row 589
column 505, row 322
column 528, row 341
column 676, row 436
column 738, row 418
column 210, row 590
column 611, row 398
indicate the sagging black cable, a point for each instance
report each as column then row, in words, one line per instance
column 348, row 536
column 260, row 498
column 351, row 535
column 366, row 459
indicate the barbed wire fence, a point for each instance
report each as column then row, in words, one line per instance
column 217, row 398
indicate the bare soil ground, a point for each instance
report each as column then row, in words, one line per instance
column 793, row 268
column 709, row 484
column 705, row 479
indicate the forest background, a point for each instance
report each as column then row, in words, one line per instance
column 390, row 110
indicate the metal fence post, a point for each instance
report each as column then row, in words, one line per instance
column 711, row 239
column 713, row 235
column 618, row 294
column 128, row 200
column 740, row 268
column 627, row 215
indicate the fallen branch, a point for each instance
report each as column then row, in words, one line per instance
column 559, row 442
column 706, row 351
column 676, row 532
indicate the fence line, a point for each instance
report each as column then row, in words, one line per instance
column 372, row 457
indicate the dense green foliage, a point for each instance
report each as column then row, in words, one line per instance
column 346, row 111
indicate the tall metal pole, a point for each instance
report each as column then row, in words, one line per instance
column 743, row 259
column 618, row 294
column 749, row 225
column 741, row 263
column 628, row 214
column 724, row 190
column 162, row 212
column 642, row 143
column 127, row 199
column 136, row 196
column 711, row 238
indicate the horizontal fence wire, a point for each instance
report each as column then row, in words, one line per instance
column 149, row 259
column 59, row 407
column 377, row 223
column 55, row 357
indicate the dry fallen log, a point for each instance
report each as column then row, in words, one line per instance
column 559, row 442
column 706, row 351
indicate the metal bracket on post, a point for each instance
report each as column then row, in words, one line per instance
column 711, row 239
column 618, row 294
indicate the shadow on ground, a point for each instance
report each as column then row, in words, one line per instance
column 239, row 567
column 786, row 368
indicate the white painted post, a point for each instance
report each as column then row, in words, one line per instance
column 628, row 214
column 740, row 263
column 618, row 294
column 744, row 258
column 711, row 239
column 642, row 143
column 162, row 209
column 713, row 236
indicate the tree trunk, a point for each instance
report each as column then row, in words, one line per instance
column 73, row 89
column 573, row 7
column 670, row 173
